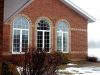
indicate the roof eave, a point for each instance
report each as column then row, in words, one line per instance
column 79, row 10
column 18, row 10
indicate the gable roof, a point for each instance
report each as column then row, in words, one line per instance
column 14, row 6
column 79, row 10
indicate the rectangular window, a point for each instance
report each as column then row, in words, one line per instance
column 43, row 40
column 62, row 40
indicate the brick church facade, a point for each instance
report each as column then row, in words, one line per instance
column 54, row 25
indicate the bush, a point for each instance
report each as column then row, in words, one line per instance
column 92, row 59
column 64, row 57
column 38, row 62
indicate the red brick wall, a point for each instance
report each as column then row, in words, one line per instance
column 55, row 10
column 1, row 25
column 6, row 38
column 78, row 45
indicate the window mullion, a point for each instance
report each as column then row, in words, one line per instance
column 28, row 39
column 62, row 41
column 21, row 37
column 21, row 40
column 13, row 41
column 43, row 40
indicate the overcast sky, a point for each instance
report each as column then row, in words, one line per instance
column 93, row 8
column 90, row 6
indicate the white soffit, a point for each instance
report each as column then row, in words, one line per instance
column 79, row 10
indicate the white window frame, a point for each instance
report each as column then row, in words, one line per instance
column 43, row 31
column 62, row 34
column 20, row 52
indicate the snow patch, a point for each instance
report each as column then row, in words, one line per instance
column 19, row 69
column 82, row 70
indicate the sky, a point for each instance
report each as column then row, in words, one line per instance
column 91, row 7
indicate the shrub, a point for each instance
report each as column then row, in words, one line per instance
column 64, row 57
column 8, row 69
column 5, row 69
column 38, row 62
column 92, row 59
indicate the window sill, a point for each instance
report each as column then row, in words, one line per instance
column 18, row 53
column 63, row 52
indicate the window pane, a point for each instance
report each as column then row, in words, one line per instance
column 16, row 41
column 64, row 42
column 17, row 21
column 39, row 39
column 21, row 22
column 24, row 40
column 62, row 26
column 59, row 41
column 46, row 41
column 20, row 39
column 62, row 37
column 43, row 36
column 24, row 23
column 43, row 25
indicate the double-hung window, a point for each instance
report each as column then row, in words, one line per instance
column 62, row 37
column 20, row 38
column 43, row 35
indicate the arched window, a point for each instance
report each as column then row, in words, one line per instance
column 43, row 35
column 62, row 36
column 20, row 35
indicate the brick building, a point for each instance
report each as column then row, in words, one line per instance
column 54, row 25
column 1, row 25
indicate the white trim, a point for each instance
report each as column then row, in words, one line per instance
column 43, row 31
column 79, row 29
column 50, row 32
column 20, row 51
column 79, row 10
column 69, row 35
column 62, row 34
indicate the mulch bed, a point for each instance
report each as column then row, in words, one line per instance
column 12, row 68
